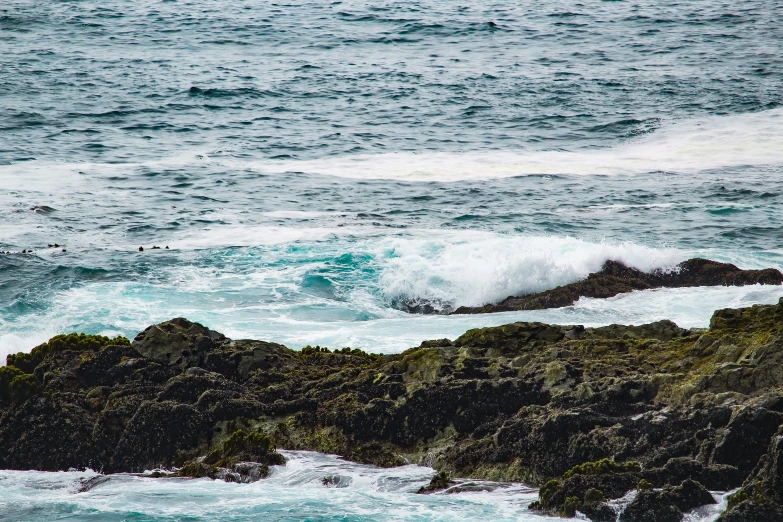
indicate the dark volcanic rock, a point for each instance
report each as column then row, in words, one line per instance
column 158, row 435
column 715, row 477
column 668, row 504
column 750, row 511
column 177, row 342
column 47, row 434
column 586, row 413
column 616, row 278
column 598, row 512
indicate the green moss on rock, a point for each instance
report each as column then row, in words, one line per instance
column 594, row 495
column 602, row 467
column 570, row 506
column 644, row 485
column 751, row 493
column 440, row 481
column 23, row 387
column 195, row 469
column 253, row 446
column 547, row 491
column 80, row 342
column 7, row 374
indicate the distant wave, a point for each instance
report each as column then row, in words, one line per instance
column 685, row 146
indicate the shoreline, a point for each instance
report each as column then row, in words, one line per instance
column 588, row 408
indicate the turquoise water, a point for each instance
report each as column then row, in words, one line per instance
column 314, row 167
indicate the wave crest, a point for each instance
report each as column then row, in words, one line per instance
column 473, row 269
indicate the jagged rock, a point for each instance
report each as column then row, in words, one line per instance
column 177, row 342
column 598, row 512
column 746, row 437
column 158, row 435
column 750, row 511
column 47, row 434
column 188, row 386
column 768, row 475
column 716, row 477
column 668, row 504
column 520, row 402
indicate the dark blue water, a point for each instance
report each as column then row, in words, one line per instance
column 313, row 167
column 137, row 81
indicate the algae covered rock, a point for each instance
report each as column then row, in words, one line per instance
column 244, row 456
column 602, row 467
column 576, row 410
column 78, row 342
column 243, row 446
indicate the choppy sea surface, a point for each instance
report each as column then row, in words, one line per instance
column 314, row 166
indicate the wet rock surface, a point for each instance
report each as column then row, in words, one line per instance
column 588, row 414
column 667, row 504
column 615, row 278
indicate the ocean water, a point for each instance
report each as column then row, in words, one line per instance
column 314, row 166
column 293, row 492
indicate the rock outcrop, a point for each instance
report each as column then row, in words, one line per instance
column 616, row 278
column 588, row 414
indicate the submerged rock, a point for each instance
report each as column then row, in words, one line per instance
column 616, row 278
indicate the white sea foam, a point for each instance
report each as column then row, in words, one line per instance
column 305, row 296
column 292, row 492
column 684, row 146
column 474, row 268
column 256, row 235
column 14, row 343
column 111, row 308
column 298, row 214
column 458, row 268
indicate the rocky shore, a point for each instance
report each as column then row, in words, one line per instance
column 615, row 278
column 587, row 414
